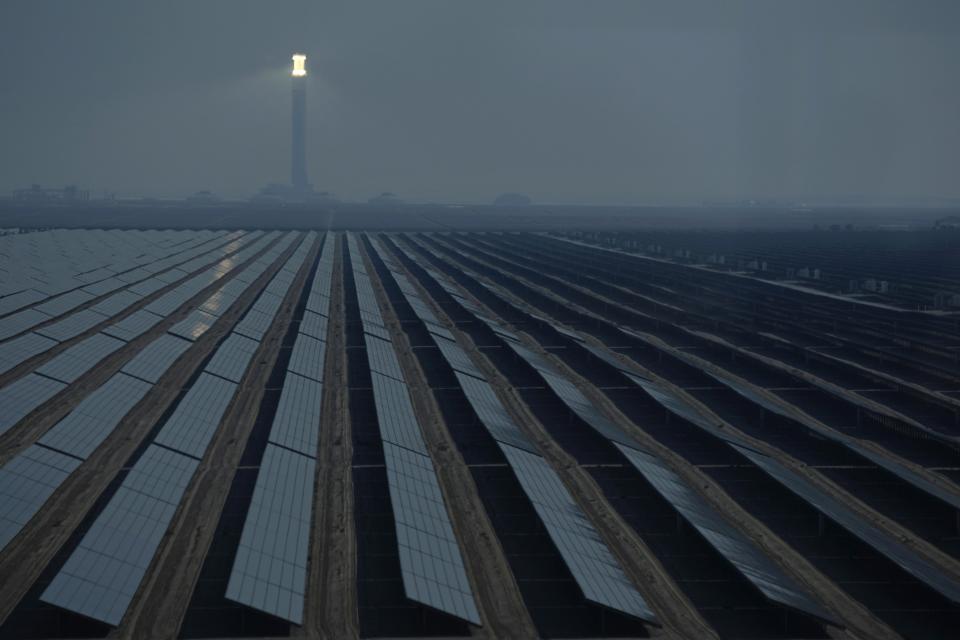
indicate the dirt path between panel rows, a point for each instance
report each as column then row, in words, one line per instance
column 331, row 610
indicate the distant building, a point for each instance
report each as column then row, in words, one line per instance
column 285, row 193
column 203, row 197
column 512, row 200
column 950, row 222
column 386, row 199
column 36, row 193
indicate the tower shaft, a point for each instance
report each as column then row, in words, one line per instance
column 298, row 152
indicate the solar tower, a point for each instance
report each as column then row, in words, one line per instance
column 298, row 153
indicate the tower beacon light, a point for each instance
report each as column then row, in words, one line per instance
column 299, row 68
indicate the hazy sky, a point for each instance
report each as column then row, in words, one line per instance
column 593, row 101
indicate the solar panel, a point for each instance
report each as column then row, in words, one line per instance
column 175, row 298
column 669, row 400
column 133, row 326
column 154, row 359
column 102, row 575
column 134, row 275
column 104, row 286
column 318, row 302
column 492, row 414
column 194, row 325
column 905, row 473
column 171, row 276
column 20, row 322
column 879, row 540
column 81, row 431
column 499, row 329
column 67, row 302
column 314, row 325
column 398, row 423
column 594, row 568
column 458, row 359
column 26, row 483
column 430, row 559
column 80, row 358
column 296, row 425
column 230, row 291
column 440, row 331
column 574, row 399
column 23, row 348
column 607, row 356
column 270, row 570
column 73, row 325
column 116, row 303
column 147, row 287
column 221, row 299
column 901, row 471
column 20, row 299
column 307, row 357
column 94, row 275
column 255, row 323
column 192, row 424
column 370, row 314
column 382, row 357
column 376, row 330
column 739, row 550
column 232, row 357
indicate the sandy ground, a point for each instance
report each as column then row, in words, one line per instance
column 331, row 588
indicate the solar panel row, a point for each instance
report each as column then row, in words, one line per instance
column 42, row 263
column 102, row 575
column 591, row 563
column 133, row 326
column 91, row 421
column 431, row 563
column 110, row 305
column 23, row 348
column 729, row 542
column 881, row 541
column 269, row 570
column 23, row 396
column 87, row 426
column 194, row 325
column 69, row 365
column 742, row 552
column 26, row 482
column 257, row 321
column 126, row 329
column 233, row 357
column 816, row 497
column 901, row 471
column 307, row 357
column 382, row 358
